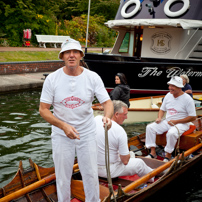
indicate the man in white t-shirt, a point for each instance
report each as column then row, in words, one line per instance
column 180, row 112
column 71, row 90
column 121, row 164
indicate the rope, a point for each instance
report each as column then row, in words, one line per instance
column 107, row 163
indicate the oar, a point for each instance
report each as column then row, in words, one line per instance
column 158, row 170
column 28, row 188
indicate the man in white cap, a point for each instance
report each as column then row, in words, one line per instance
column 180, row 111
column 71, row 90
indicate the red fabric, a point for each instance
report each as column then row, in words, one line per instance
column 191, row 130
column 130, row 177
column 75, row 200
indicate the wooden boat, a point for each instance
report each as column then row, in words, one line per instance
column 145, row 109
column 157, row 39
column 38, row 184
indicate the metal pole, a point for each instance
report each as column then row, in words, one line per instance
column 87, row 26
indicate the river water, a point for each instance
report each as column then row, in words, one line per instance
column 24, row 134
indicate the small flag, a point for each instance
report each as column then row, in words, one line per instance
column 141, row 1
column 162, row 1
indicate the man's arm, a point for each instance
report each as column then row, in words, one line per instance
column 108, row 112
column 185, row 120
column 44, row 110
column 160, row 116
column 125, row 159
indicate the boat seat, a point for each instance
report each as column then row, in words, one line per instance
column 192, row 128
column 188, row 139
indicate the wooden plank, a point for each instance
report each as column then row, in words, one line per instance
column 186, row 141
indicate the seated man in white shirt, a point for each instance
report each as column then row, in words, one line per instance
column 180, row 111
column 120, row 162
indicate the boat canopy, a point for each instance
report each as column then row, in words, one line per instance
column 184, row 23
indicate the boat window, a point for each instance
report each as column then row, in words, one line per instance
column 138, row 42
column 125, row 44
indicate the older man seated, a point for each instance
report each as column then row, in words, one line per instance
column 180, row 111
column 121, row 164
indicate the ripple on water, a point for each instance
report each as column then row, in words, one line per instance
column 21, row 123
column 40, row 125
column 18, row 114
column 4, row 129
column 9, row 121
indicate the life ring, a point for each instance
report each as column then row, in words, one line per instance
column 176, row 13
column 137, row 8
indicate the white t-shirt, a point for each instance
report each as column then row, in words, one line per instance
column 117, row 139
column 178, row 108
column 72, row 97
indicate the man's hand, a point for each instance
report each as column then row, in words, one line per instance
column 160, row 116
column 70, row 131
column 172, row 122
column 158, row 120
column 108, row 121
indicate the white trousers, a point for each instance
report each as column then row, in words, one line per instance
column 63, row 157
column 134, row 166
column 171, row 137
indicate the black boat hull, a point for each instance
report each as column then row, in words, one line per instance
column 146, row 76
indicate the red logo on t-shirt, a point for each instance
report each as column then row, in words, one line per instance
column 72, row 102
column 172, row 111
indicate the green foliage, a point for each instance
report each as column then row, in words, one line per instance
column 98, row 34
column 56, row 17
column 23, row 15
column 106, row 8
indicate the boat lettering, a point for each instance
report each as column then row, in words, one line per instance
column 174, row 71
column 177, row 71
column 132, row 13
column 176, row 13
column 150, row 71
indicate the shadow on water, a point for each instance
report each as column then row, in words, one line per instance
column 24, row 134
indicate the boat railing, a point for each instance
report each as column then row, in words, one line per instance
column 188, row 47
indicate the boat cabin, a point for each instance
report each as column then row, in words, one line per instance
column 157, row 39
column 159, row 29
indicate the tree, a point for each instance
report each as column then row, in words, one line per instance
column 99, row 34
column 24, row 14
column 106, row 8
column 43, row 17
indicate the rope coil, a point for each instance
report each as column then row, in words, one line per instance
column 107, row 163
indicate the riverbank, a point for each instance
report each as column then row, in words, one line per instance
column 19, row 82
column 15, row 76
